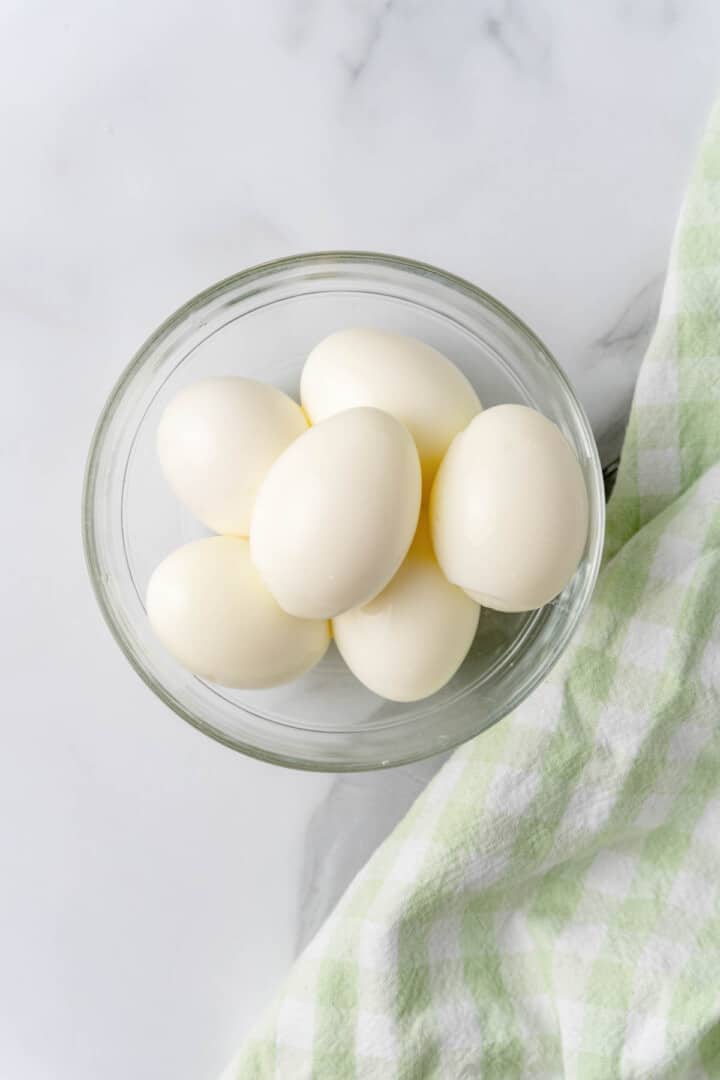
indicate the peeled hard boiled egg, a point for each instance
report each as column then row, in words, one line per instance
column 209, row 608
column 412, row 638
column 509, row 510
column 406, row 378
column 217, row 439
column 336, row 513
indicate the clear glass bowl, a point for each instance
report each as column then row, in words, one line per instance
column 262, row 323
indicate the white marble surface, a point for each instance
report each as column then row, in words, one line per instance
column 155, row 886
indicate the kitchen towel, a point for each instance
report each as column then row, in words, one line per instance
column 550, row 907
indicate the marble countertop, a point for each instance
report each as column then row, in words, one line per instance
column 156, row 886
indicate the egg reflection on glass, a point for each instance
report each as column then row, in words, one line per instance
column 209, row 608
column 216, row 441
column 410, row 640
column 336, row 513
column 509, row 510
column 401, row 375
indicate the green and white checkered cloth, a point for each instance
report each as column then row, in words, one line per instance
column 551, row 905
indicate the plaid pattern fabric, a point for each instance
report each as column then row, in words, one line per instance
column 551, row 905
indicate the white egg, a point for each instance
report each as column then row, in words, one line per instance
column 412, row 638
column 209, row 608
column 406, row 378
column 336, row 513
column 217, row 439
column 509, row 510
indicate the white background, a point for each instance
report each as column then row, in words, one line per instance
column 154, row 886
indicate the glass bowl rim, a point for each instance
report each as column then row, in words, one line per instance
column 316, row 260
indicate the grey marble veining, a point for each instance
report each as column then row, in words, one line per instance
column 522, row 33
column 156, row 887
column 620, row 350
